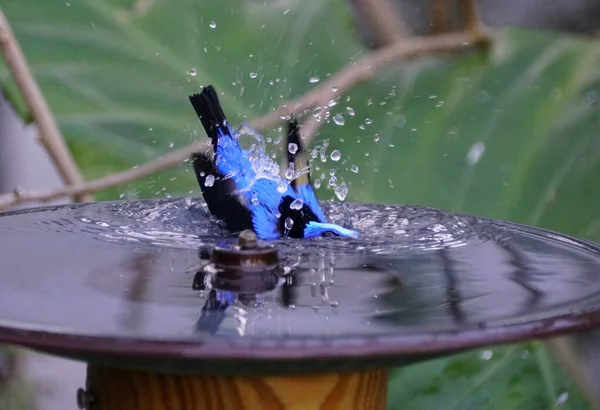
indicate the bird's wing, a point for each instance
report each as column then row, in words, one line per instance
column 220, row 195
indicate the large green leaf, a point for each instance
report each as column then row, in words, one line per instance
column 510, row 132
column 515, row 377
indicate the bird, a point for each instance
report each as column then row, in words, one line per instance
column 245, row 195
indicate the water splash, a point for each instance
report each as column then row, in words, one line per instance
column 414, row 270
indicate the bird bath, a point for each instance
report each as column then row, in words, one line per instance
column 124, row 286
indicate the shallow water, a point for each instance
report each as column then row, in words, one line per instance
column 127, row 268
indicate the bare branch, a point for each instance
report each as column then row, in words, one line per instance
column 169, row 160
column 49, row 134
column 311, row 125
column 321, row 95
column 366, row 67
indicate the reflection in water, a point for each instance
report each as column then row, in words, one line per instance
column 141, row 267
column 213, row 311
column 453, row 294
column 137, row 269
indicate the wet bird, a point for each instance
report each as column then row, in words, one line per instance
column 239, row 192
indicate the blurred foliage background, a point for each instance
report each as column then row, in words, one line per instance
column 509, row 132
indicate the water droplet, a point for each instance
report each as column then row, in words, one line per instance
column 317, row 183
column 334, row 303
column 253, row 75
column 486, row 355
column 339, row 119
column 368, row 121
column 314, row 79
column 290, row 172
column 334, row 89
column 341, row 191
column 399, row 120
column 336, row 155
column 332, row 181
column 281, row 187
column 210, row 180
column 193, row 72
column 332, row 171
column 354, row 169
column 317, row 111
column 255, row 200
column 591, row 97
column 562, row 398
column 350, row 111
column 332, row 103
column 475, row 153
column 297, row 204
column 292, row 148
column 289, row 223
column 213, row 24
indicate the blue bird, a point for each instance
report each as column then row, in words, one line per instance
column 245, row 196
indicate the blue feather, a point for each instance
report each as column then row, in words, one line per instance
column 242, row 195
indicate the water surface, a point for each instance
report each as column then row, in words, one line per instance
column 126, row 269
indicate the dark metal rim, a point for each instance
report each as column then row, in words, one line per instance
column 298, row 349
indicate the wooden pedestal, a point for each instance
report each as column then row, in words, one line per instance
column 119, row 389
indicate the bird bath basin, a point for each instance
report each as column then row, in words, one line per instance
column 123, row 286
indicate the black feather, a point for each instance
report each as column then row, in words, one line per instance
column 298, row 158
column 301, row 218
column 294, row 137
column 219, row 197
column 209, row 111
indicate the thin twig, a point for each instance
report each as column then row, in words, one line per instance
column 365, row 68
column 172, row 159
column 49, row 134
column 321, row 95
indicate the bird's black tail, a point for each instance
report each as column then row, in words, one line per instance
column 293, row 137
column 207, row 107
column 298, row 157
